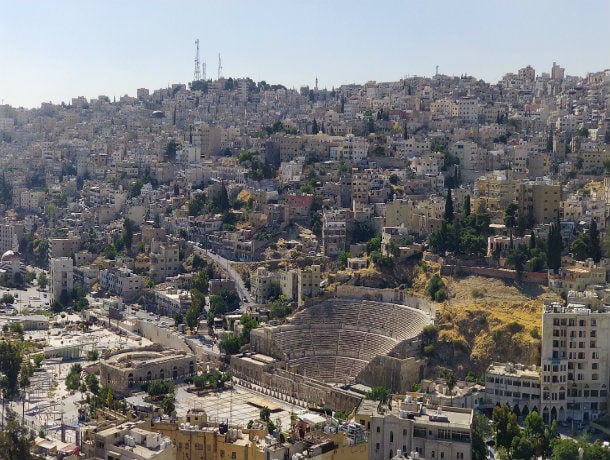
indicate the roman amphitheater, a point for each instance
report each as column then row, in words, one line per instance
column 339, row 341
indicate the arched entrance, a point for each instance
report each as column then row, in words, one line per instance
column 545, row 415
column 175, row 373
column 525, row 411
column 162, row 374
column 553, row 414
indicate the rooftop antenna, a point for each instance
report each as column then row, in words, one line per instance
column 219, row 67
column 437, row 71
column 203, row 74
column 316, row 83
column 197, row 73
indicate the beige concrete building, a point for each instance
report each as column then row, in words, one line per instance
column 164, row 260
column 575, row 367
column 61, row 271
column 409, row 427
column 128, row 442
column 540, row 198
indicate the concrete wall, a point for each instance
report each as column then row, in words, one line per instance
column 384, row 295
column 396, row 374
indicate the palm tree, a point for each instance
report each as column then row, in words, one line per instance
column 451, row 382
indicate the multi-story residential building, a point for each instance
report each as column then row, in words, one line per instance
column 334, row 232
column 122, row 282
column 63, row 247
column 164, row 260
column 61, row 272
column 513, row 384
column 575, row 367
column 539, row 199
column 578, row 276
column 309, row 280
column 261, row 284
column 423, row 432
column 10, row 235
column 289, row 284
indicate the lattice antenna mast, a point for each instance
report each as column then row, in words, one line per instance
column 197, row 73
column 219, row 67
column 203, row 74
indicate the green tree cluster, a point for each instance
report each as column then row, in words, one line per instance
column 436, row 288
column 587, row 244
column 257, row 169
column 213, row 379
column 223, row 301
column 467, row 236
column 73, row 379
column 379, row 393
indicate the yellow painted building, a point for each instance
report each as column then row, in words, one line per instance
column 196, row 440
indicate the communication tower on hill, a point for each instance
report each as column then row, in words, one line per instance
column 197, row 73
column 219, row 67
column 203, row 73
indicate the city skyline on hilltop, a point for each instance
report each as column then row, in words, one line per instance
column 52, row 52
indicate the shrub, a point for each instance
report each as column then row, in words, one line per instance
column 478, row 293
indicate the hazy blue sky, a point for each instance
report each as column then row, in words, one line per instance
column 53, row 50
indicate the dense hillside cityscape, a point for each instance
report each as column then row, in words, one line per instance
column 415, row 269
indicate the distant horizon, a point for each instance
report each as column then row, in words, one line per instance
column 55, row 51
column 151, row 90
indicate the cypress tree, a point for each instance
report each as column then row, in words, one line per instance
column 596, row 249
column 448, row 207
column 466, row 207
column 554, row 246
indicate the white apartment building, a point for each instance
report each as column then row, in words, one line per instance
column 513, row 384
column 575, row 369
column 62, row 276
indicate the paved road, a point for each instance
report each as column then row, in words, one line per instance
column 226, row 266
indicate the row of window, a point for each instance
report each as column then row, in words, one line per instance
column 572, row 322
column 581, row 334
column 562, row 344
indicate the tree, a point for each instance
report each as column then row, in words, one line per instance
column 595, row 246
column 554, row 246
column 505, row 426
column 128, row 228
column 510, row 217
column 73, row 378
column 394, row 179
column 436, row 288
column 451, row 381
column 564, row 449
column 7, row 299
column 192, row 317
column 521, row 447
column 93, row 384
column 167, row 404
column 265, row 414
column 314, row 128
column 42, row 280
column 517, row 258
column 379, row 393
column 10, row 364
column 466, row 206
column 178, row 318
column 480, row 432
column 229, row 343
column 448, row 216
column 15, row 439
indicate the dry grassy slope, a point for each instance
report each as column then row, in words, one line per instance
column 488, row 320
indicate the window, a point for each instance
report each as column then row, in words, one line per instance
column 233, row 455
column 377, row 446
column 391, row 436
column 378, row 429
